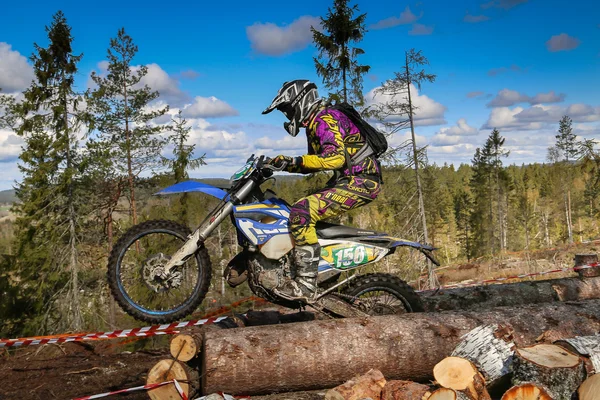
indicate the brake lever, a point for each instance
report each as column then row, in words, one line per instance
column 274, row 168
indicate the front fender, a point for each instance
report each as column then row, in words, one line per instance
column 193, row 186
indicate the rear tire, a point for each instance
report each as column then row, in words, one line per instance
column 119, row 290
column 366, row 287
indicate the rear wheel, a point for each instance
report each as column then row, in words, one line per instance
column 383, row 294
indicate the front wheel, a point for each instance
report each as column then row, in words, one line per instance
column 134, row 279
column 383, row 294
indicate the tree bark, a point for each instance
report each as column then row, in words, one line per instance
column 364, row 386
column 553, row 367
column 320, row 354
column 490, row 349
column 585, row 259
column 405, row 390
column 447, row 394
column 512, row 294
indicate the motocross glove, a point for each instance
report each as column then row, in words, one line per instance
column 290, row 164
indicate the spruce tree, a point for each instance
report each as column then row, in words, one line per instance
column 184, row 159
column 122, row 116
column 6, row 104
column 337, row 62
column 566, row 150
column 49, row 119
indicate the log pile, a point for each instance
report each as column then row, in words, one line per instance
column 538, row 372
column 548, row 350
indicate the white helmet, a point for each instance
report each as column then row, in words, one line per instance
column 296, row 100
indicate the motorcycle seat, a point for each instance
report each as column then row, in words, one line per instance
column 327, row 230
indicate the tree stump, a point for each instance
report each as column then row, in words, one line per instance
column 447, row 394
column 360, row 387
column 166, row 370
column 585, row 259
column 490, row 349
column 587, row 347
column 461, row 375
column 405, row 390
column 555, row 368
column 526, row 391
column 590, row 388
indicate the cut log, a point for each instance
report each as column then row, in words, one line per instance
column 447, row 394
column 364, row 386
column 461, row 375
column 166, row 370
column 512, row 294
column 585, row 346
column 526, row 391
column 590, row 388
column 490, row 348
column 585, row 259
column 186, row 346
column 318, row 354
column 553, row 367
column 405, row 390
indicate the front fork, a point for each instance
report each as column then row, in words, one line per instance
column 203, row 231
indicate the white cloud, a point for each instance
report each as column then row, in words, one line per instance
column 562, row 42
column 507, row 98
column 208, row 107
column 287, row 143
column 10, row 146
column 270, row 39
column 460, row 129
column 539, row 116
column 406, row 17
column 420, row 29
column 159, row 80
column 15, row 73
column 428, row 111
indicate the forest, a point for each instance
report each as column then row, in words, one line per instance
column 92, row 159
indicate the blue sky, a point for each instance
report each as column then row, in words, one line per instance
column 517, row 65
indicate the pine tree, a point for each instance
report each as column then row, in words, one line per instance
column 337, row 62
column 494, row 152
column 47, row 224
column 462, row 214
column 122, row 118
column 563, row 153
column 183, row 158
column 6, row 104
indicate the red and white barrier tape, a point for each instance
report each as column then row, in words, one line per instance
column 134, row 389
column 505, row 278
column 167, row 329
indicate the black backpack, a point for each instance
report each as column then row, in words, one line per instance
column 376, row 143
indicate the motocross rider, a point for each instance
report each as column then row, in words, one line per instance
column 332, row 140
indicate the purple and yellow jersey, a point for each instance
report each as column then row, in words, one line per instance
column 330, row 134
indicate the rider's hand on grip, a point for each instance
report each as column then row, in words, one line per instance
column 281, row 162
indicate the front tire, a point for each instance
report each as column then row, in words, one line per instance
column 383, row 294
column 145, row 297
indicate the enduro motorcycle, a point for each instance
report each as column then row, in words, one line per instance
column 159, row 271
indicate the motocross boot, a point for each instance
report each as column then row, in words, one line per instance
column 304, row 285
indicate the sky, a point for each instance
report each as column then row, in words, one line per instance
column 514, row 65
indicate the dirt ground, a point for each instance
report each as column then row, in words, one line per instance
column 73, row 370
